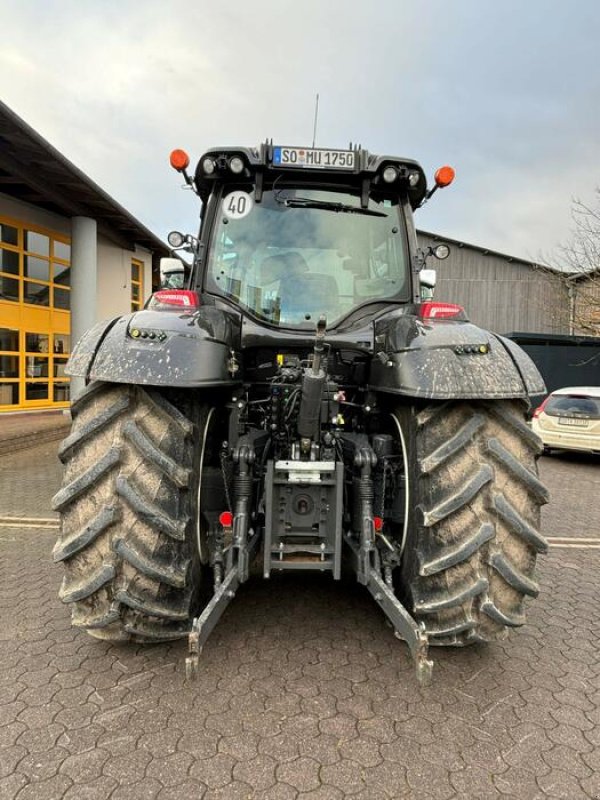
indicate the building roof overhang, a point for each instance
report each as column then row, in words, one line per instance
column 34, row 171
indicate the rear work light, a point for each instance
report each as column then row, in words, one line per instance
column 434, row 310
column 180, row 299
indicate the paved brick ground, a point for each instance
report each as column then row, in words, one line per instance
column 303, row 691
column 574, row 483
column 18, row 431
column 28, row 480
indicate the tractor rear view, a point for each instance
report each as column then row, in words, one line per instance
column 300, row 404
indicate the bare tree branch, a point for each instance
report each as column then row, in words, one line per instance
column 578, row 272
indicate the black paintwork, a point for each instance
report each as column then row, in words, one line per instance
column 187, row 349
column 434, row 359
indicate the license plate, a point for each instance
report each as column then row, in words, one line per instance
column 313, row 158
column 578, row 423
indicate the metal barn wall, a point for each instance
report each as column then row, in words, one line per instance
column 499, row 293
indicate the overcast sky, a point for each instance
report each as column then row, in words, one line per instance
column 507, row 92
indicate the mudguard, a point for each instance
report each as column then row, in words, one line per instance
column 444, row 359
column 161, row 348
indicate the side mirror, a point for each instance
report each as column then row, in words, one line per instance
column 428, row 278
column 172, row 273
column 427, row 281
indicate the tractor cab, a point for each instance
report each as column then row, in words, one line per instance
column 290, row 235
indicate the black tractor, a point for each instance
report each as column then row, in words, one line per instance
column 302, row 404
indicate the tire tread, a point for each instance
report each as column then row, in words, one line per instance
column 469, row 560
column 125, row 540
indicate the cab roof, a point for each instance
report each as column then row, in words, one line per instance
column 260, row 169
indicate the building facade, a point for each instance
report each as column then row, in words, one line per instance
column 500, row 292
column 69, row 255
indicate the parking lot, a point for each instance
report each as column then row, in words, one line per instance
column 303, row 690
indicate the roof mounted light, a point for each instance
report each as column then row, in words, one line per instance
column 444, row 177
column 236, row 165
column 208, row 166
column 390, row 174
column 413, row 178
column 179, row 160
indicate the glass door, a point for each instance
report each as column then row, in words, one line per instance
column 43, row 368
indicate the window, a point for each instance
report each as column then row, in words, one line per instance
column 9, row 367
column 35, row 292
column 137, row 284
column 297, row 256
column 8, row 234
column 32, row 263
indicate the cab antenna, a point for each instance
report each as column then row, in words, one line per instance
column 316, row 118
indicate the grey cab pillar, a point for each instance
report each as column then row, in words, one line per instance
column 84, row 267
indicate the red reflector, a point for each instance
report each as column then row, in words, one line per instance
column 378, row 523
column 226, row 519
column 440, row 310
column 182, row 298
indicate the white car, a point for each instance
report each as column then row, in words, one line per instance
column 569, row 419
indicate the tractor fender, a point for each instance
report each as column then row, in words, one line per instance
column 161, row 348
column 444, row 359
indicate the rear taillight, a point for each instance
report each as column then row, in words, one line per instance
column 433, row 310
column 174, row 299
column 539, row 409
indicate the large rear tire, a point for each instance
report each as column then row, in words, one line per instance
column 473, row 520
column 127, row 508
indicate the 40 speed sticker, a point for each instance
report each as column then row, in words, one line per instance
column 237, row 205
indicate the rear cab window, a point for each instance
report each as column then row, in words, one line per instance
column 287, row 260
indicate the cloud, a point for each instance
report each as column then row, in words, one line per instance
column 508, row 93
